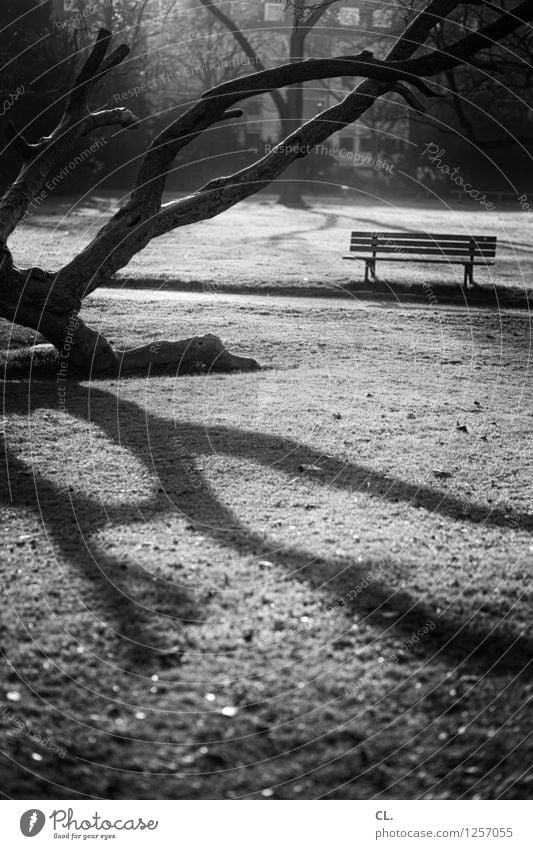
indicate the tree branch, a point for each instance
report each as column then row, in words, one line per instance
column 80, row 91
column 247, row 48
column 234, row 30
column 76, row 121
column 110, row 117
column 25, row 150
column 405, row 92
column 305, row 17
column 463, row 120
column 252, row 179
column 430, row 64
column 47, row 301
column 416, row 33
column 210, row 109
column 468, row 126
column 142, row 219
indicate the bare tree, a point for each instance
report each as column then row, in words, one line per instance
column 50, row 302
column 290, row 108
column 490, row 112
column 489, row 101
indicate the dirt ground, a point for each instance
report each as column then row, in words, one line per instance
column 310, row 581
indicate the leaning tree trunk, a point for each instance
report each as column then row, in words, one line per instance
column 83, row 350
column 50, row 302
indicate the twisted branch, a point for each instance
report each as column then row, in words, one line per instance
column 76, row 121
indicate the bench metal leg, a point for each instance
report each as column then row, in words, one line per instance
column 370, row 266
column 469, row 276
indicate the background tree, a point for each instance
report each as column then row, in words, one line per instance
column 35, row 60
column 194, row 53
column 487, row 109
column 50, row 302
column 302, row 18
column 140, row 23
column 485, row 112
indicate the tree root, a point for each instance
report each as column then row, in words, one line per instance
column 196, row 355
column 208, row 351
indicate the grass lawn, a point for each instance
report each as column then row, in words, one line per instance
column 260, row 244
column 310, row 581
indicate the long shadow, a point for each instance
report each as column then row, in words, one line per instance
column 387, row 290
column 281, row 237
column 376, row 225
column 151, row 439
column 120, row 585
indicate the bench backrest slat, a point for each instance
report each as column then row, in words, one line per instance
column 424, row 244
column 450, row 243
column 413, row 234
column 446, row 246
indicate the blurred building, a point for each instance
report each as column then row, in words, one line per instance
column 383, row 136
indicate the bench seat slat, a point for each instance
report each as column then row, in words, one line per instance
column 451, row 249
column 422, row 260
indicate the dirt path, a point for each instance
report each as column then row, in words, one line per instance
column 353, row 302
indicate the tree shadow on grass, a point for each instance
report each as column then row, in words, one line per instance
column 130, row 600
column 152, row 439
column 388, row 290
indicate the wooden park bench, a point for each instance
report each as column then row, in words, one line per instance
column 456, row 249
